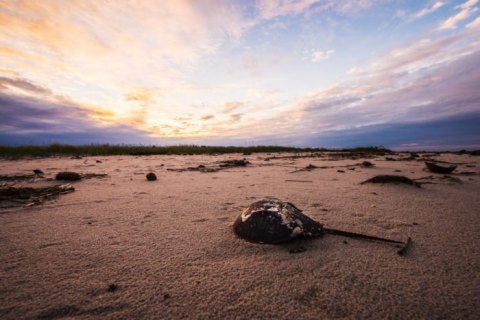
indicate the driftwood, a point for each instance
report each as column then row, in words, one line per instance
column 33, row 196
column 392, row 179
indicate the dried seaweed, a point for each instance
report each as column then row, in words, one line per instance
column 226, row 164
column 19, row 177
column 234, row 163
column 29, row 196
column 93, row 175
column 430, row 179
column 392, row 179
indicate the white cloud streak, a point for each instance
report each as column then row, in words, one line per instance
column 320, row 55
column 426, row 11
column 467, row 8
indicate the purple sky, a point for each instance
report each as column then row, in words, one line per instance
column 403, row 74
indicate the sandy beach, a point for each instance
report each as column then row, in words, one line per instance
column 122, row 247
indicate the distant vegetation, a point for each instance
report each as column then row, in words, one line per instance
column 106, row 149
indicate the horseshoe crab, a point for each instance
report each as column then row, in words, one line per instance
column 433, row 167
column 273, row 221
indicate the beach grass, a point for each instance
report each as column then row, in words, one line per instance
column 107, row 149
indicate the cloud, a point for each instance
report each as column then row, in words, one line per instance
column 452, row 133
column 24, row 85
column 27, row 120
column 424, row 80
column 207, row 117
column 474, row 24
column 269, row 9
column 467, row 8
column 320, row 55
column 229, row 107
column 425, row 11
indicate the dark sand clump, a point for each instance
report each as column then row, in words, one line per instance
column 68, row 176
column 151, row 176
column 392, row 179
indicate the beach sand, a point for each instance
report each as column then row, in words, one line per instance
column 122, row 247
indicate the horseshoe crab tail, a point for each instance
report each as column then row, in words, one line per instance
column 359, row 236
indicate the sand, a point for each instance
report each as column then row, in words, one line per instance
column 122, row 247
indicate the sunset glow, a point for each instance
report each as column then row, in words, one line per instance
column 324, row 73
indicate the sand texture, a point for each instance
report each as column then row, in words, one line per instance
column 122, row 247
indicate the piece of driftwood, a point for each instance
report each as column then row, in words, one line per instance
column 435, row 168
column 392, row 179
column 29, row 196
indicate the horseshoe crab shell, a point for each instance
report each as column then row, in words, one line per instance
column 273, row 221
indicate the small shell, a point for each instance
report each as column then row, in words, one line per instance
column 273, row 221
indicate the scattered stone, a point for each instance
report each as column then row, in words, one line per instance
column 390, row 159
column 37, row 171
column 435, row 168
column 392, row 179
column 367, row 164
column 299, row 249
column 151, row 176
column 341, row 171
column 68, row 176
column 98, row 161
column 112, row 287
column 166, row 296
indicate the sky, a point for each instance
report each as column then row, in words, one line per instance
column 327, row 73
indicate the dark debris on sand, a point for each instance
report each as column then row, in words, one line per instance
column 32, row 196
column 226, row 164
column 151, row 176
column 392, row 179
column 436, row 168
column 68, row 176
column 18, row 177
